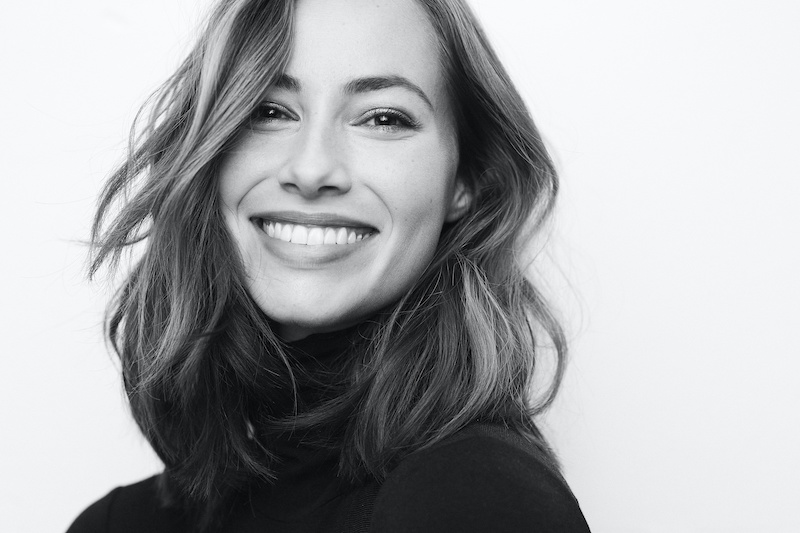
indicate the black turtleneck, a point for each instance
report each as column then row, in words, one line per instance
column 307, row 493
column 482, row 479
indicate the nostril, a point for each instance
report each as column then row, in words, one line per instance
column 321, row 190
column 314, row 177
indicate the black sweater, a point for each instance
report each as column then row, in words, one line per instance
column 482, row 479
column 473, row 482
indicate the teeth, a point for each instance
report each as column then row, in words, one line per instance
column 300, row 235
column 330, row 236
column 311, row 235
column 286, row 232
column 315, row 236
column 341, row 236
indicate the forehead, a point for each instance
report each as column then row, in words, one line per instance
column 338, row 40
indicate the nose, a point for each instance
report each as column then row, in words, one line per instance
column 315, row 166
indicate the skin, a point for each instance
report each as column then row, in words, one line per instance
column 329, row 151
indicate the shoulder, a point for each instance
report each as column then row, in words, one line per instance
column 132, row 508
column 481, row 479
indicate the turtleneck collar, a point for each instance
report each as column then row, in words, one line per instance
column 323, row 346
column 318, row 363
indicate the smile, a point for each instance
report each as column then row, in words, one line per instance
column 313, row 235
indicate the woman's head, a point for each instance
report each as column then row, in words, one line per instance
column 337, row 63
column 383, row 123
column 337, row 189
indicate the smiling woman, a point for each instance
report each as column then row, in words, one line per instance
column 328, row 328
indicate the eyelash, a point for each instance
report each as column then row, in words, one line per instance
column 261, row 114
column 404, row 121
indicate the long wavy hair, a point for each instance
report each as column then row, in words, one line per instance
column 205, row 373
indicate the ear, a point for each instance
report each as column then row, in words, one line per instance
column 460, row 203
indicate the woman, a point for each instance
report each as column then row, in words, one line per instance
column 327, row 328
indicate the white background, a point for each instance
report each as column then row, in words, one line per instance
column 676, row 127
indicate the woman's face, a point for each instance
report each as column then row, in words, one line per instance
column 337, row 193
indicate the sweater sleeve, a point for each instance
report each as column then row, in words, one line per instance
column 476, row 484
column 131, row 509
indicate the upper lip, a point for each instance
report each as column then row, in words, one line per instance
column 314, row 219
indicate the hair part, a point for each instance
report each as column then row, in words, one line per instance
column 202, row 367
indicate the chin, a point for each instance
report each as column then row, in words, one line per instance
column 302, row 309
column 296, row 323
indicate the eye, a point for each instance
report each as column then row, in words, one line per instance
column 271, row 112
column 389, row 120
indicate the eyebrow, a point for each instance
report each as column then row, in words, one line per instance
column 362, row 85
column 288, row 83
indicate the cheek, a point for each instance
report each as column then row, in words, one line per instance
column 251, row 160
column 418, row 192
column 237, row 175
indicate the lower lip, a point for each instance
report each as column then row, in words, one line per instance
column 303, row 255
